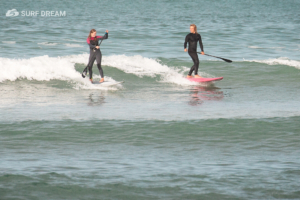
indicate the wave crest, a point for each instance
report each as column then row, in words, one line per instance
column 280, row 61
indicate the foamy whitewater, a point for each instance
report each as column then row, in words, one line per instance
column 281, row 61
column 158, row 77
column 147, row 132
column 45, row 68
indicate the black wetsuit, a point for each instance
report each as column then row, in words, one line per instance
column 192, row 39
column 95, row 54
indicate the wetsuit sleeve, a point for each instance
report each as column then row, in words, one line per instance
column 186, row 41
column 103, row 37
column 91, row 46
column 200, row 43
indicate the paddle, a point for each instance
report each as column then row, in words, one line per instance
column 100, row 42
column 85, row 69
column 226, row 60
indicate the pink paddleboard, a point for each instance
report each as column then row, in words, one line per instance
column 205, row 79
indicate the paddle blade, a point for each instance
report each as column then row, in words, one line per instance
column 227, row 60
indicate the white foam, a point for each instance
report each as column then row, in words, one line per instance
column 45, row 68
column 277, row 48
column 79, row 58
column 280, row 61
column 48, row 43
column 72, row 45
column 9, row 42
column 255, row 47
column 72, row 40
column 141, row 66
column 54, row 44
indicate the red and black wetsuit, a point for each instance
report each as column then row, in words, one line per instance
column 192, row 39
column 95, row 54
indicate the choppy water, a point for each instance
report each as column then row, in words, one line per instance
column 157, row 135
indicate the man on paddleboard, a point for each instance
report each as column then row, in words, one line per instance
column 192, row 38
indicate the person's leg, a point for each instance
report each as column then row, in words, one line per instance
column 99, row 59
column 195, row 58
column 193, row 67
column 91, row 63
column 100, row 70
column 196, row 63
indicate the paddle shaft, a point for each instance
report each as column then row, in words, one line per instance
column 101, row 41
column 226, row 60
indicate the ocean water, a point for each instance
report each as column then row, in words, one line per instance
column 156, row 135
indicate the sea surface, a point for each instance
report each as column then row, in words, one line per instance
column 156, row 135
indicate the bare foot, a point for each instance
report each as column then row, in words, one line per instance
column 188, row 76
column 197, row 76
column 91, row 80
column 102, row 80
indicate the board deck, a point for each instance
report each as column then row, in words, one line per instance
column 108, row 83
column 201, row 80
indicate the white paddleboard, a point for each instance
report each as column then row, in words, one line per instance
column 107, row 83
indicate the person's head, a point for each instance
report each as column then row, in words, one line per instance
column 193, row 28
column 92, row 33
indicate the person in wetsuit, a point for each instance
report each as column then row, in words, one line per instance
column 95, row 54
column 192, row 38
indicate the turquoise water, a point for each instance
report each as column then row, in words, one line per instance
column 157, row 135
